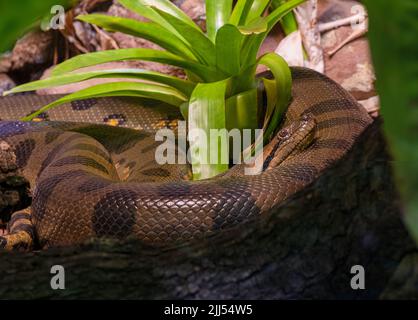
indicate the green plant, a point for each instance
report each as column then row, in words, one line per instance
column 288, row 22
column 221, row 86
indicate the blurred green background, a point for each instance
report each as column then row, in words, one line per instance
column 18, row 16
column 393, row 36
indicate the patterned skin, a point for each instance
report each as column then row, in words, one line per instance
column 91, row 180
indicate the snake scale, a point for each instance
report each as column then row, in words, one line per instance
column 94, row 180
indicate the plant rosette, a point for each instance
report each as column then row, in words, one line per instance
column 220, row 91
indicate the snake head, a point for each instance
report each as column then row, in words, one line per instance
column 295, row 137
column 301, row 130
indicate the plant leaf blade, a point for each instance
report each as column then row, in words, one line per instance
column 100, row 57
column 184, row 86
column 146, row 30
column 132, row 89
column 201, row 46
column 228, row 47
column 206, row 112
column 240, row 12
column 283, row 78
column 217, row 14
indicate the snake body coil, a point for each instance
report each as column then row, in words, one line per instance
column 93, row 180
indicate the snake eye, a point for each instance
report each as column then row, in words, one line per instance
column 306, row 116
column 284, row 133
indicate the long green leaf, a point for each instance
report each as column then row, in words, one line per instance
column 288, row 22
column 149, row 13
column 252, row 43
column 170, row 8
column 206, row 112
column 240, row 12
column 201, row 46
column 244, row 81
column 95, row 58
column 146, row 30
column 258, row 25
column 228, row 48
column 217, row 15
column 242, row 111
column 146, row 8
column 271, row 95
column 132, row 89
column 281, row 11
column 184, row 86
column 257, row 9
column 283, row 78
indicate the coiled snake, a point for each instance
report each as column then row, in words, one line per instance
column 91, row 180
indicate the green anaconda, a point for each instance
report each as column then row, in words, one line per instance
column 92, row 180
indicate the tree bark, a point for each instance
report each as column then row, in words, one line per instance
column 350, row 216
